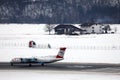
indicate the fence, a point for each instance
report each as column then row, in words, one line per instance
column 25, row 44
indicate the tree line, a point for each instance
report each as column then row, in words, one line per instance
column 59, row 11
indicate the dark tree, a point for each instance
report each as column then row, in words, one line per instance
column 49, row 28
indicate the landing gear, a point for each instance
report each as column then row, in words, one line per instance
column 30, row 64
column 42, row 64
column 11, row 64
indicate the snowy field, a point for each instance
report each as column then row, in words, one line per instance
column 55, row 75
column 94, row 48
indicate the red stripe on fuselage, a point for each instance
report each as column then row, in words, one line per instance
column 59, row 56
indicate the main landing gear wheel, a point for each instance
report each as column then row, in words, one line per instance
column 30, row 65
column 11, row 64
column 42, row 64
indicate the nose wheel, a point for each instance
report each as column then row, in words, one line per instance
column 11, row 64
column 42, row 64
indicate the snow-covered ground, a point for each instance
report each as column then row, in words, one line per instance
column 94, row 48
column 36, row 29
column 55, row 75
column 26, row 29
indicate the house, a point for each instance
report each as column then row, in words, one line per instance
column 67, row 29
column 92, row 28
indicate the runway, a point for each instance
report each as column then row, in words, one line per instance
column 60, row 71
column 106, row 68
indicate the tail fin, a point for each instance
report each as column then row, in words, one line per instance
column 32, row 44
column 61, row 53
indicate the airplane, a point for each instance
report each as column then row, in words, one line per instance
column 40, row 60
column 32, row 44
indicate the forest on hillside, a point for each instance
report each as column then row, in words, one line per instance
column 59, row 11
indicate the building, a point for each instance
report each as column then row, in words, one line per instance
column 67, row 29
column 92, row 28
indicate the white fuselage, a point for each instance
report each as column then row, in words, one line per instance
column 48, row 59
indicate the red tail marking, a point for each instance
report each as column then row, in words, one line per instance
column 62, row 48
column 58, row 56
column 30, row 44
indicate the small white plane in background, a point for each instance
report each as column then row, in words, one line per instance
column 32, row 44
column 40, row 60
